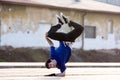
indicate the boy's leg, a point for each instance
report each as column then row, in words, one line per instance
column 54, row 28
column 52, row 32
column 56, row 35
column 78, row 29
column 71, row 36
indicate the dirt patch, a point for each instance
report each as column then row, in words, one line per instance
column 23, row 54
column 10, row 54
column 97, row 55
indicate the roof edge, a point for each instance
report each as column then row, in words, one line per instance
column 25, row 2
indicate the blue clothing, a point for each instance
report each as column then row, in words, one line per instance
column 61, row 55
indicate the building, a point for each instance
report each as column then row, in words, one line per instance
column 113, row 2
column 24, row 22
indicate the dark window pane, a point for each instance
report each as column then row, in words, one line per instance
column 90, row 32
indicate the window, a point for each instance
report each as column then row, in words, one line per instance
column 90, row 32
column 110, row 26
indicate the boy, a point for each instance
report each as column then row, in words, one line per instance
column 60, row 56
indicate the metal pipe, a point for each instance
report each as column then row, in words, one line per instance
column 83, row 24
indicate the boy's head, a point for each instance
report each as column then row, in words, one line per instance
column 50, row 63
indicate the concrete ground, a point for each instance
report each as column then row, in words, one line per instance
column 72, row 73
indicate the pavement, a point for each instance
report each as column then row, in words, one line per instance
column 72, row 73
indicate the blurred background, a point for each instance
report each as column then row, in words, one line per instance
column 23, row 24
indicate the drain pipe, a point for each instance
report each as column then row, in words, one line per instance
column 0, row 33
column 83, row 24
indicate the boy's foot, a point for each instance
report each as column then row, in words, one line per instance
column 59, row 20
column 66, row 20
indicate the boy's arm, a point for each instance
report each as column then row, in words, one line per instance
column 60, row 74
column 48, row 40
column 62, row 70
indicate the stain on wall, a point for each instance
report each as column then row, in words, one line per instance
column 25, row 21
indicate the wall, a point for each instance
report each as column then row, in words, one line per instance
column 104, row 39
column 25, row 26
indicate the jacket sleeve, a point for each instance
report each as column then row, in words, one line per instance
column 52, row 51
column 61, row 43
column 62, row 69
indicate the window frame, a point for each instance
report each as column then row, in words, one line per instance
column 94, row 35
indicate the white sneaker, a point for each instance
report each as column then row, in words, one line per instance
column 59, row 20
column 66, row 20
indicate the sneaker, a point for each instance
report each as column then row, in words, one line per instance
column 59, row 20
column 66, row 20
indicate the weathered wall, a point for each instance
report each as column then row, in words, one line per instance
column 25, row 26
column 21, row 25
column 104, row 39
column 101, row 22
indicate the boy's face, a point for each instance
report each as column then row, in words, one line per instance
column 52, row 64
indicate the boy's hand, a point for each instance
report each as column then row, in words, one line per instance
column 46, row 35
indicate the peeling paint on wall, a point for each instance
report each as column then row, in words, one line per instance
column 25, row 26
column 4, row 28
column 27, row 39
column 101, row 43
